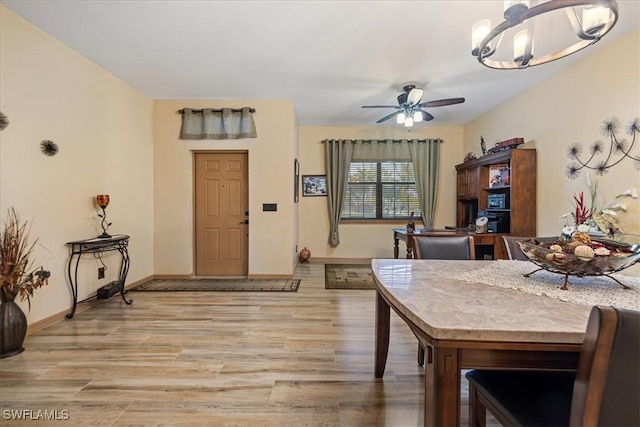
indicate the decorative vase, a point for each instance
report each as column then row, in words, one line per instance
column 304, row 256
column 13, row 325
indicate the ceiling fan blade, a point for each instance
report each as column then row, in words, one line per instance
column 390, row 116
column 415, row 95
column 426, row 116
column 381, row 106
column 441, row 102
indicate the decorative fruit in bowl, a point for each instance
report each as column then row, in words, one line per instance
column 583, row 255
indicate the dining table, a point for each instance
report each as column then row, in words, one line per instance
column 463, row 324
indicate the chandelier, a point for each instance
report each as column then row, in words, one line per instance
column 598, row 18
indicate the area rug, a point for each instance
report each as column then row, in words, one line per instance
column 348, row 276
column 220, row 285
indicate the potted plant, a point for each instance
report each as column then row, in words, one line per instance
column 18, row 277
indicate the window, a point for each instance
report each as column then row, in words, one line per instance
column 381, row 190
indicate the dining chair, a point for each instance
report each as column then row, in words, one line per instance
column 604, row 391
column 442, row 246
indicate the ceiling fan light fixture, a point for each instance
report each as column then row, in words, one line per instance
column 408, row 122
column 598, row 18
column 410, row 107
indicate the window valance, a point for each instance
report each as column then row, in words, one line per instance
column 379, row 150
column 225, row 123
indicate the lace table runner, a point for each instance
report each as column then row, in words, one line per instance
column 591, row 290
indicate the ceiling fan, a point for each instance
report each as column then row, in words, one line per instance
column 410, row 109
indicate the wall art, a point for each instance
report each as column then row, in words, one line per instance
column 602, row 156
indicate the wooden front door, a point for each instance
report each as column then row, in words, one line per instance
column 221, row 214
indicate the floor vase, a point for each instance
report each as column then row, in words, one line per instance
column 13, row 326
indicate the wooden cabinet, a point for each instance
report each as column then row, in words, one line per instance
column 517, row 189
column 467, row 183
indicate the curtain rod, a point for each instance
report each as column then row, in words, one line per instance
column 217, row 110
column 383, row 141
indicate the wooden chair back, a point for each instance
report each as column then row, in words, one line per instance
column 607, row 387
column 604, row 390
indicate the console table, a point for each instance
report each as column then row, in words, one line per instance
column 490, row 243
column 119, row 243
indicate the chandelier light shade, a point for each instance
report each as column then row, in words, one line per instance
column 589, row 19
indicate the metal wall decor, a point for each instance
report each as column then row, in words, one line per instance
column 4, row 121
column 618, row 149
column 296, row 180
column 49, row 148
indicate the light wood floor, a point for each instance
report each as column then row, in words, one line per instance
column 219, row 359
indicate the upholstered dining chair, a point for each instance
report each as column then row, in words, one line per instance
column 604, row 391
column 442, row 246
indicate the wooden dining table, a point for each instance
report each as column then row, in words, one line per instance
column 466, row 325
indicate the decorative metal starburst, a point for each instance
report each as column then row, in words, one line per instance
column 4, row 121
column 619, row 149
column 49, row 148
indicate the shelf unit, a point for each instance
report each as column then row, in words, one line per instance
column 520, row 192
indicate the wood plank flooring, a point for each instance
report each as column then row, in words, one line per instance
column 217, row 359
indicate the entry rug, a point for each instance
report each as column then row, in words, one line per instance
column 348, row 276
column 591, row 290
column 220, row 285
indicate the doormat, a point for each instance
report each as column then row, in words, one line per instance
column 220, row 285
column 348, row 276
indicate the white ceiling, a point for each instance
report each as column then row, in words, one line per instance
column 329, row 57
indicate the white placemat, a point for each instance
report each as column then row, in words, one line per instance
column 592, row 290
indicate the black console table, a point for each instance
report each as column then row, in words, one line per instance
column 119, row 243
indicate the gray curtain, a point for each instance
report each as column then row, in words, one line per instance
column 226, row 123
column 423, row 153
column 337, row 158
column 425, row 156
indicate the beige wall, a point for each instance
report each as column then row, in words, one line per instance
column 369, row 240
column 103, row 129
column 568, row 108
column 271, row 155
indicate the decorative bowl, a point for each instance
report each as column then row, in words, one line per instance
column 621, row 254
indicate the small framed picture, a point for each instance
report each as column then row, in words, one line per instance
column 314, row 185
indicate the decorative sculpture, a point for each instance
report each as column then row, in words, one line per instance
column 103, row 202
column 411, row 225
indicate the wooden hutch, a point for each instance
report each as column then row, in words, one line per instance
column 501, row 184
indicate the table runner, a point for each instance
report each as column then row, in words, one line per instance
column 592, row 290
